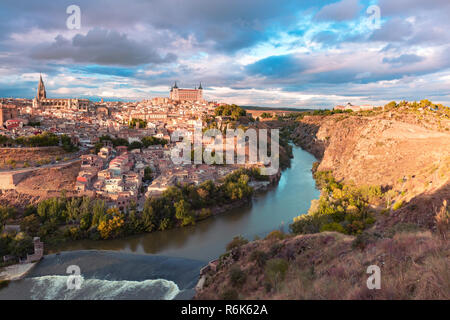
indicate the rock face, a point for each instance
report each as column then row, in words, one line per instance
column 35, row 184
column 378, row 151
column 392, row 151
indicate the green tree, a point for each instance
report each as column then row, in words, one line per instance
column 98, row 212
column 52, row 209
column 151, row 141
column 147, row 174
column 30, row 224
column 21, row 245
column 6, row 213
column 184, row 213
column 111, row 224
column 142, row 123
column 148, row 217
column 135, row 145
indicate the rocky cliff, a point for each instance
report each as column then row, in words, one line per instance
column 388, row 150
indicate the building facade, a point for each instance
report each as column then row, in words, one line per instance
column 178, row 94
column 42, row 102
column 8, row 112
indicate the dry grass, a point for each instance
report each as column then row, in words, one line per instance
column 443, row 221
column 324, row 266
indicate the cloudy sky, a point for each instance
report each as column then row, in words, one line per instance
column 297, row 53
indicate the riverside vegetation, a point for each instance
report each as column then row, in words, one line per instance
column 61, row 218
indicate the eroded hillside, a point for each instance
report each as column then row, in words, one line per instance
column 405, row 158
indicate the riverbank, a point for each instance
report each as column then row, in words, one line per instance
column 16, row 271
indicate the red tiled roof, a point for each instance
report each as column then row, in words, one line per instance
column 81, row 179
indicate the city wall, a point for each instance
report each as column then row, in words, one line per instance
column 30, row 155
column 10, row 179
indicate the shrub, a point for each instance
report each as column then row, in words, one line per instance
column 259, row 257
column 275, row 235
column 267, row 286
column 30, row 224
column 236, row 243
column 305, row 224
column 333, row 226
column 237, row 276
column 402, row 228
column 356, row 227
column 275, row 270
column 204, row 213
column 397, row 205
column 275, row 248
column 364, row 239
column 443, row 220
column 73, row 233
column 229, row 294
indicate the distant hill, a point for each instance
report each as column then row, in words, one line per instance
column 277, row 109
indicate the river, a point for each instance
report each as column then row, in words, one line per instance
column 165, row 265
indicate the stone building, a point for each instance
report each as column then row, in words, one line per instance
column 178, row 94
column 7, row 112
column 42, row 102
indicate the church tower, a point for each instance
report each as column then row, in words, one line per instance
column 174, row 94
column 200, row 93
column 41, row 94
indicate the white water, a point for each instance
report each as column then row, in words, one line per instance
column 55, row 288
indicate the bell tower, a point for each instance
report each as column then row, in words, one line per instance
column 174, row 92
column 41, row 94
column 200, row 93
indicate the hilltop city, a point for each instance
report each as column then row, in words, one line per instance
column 119, row 151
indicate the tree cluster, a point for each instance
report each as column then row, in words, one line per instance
column 233, row 111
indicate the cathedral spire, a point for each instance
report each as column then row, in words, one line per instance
column 41, row 94
column 200, row 87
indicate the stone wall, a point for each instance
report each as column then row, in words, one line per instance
column 10, row 179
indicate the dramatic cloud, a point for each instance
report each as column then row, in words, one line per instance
column 276, row 66
column 394, row 30
column 274, row 52
column 402, row 7
column 403, row 59
column 339, row 11
column 101, row 47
